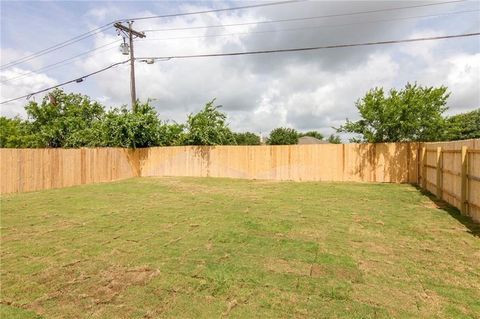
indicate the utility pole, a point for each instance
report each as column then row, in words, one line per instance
column 128, row 31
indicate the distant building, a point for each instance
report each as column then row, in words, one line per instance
column 310, row 140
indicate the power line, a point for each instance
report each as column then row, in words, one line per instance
column 109, row 25
column 61, row 63
column 303, row 18
column 305, row 28
column 56, row 47
column 335, row 46
column 78, row 80
column 106, row 26
column 218, row 10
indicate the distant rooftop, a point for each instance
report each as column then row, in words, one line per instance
column 311, row 140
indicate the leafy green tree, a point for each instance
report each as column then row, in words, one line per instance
column 172, row 134
column 334, row 139
column 315, row 134
column 122, row 127
column 463, row 126
column 63, row 120
column 208, row 127
column 283, row 136
column 12, row 132
column 247, row 138
column 411, row 114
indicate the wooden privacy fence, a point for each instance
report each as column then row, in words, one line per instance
column 348, row 162
column 451, row 171
column 446, row 174
column 25, row 170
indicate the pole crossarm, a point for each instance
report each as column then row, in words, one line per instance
column 128, row 30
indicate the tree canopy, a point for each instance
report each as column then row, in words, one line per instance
column 334, row 139
column 414, row 113
column 124, row 128
column 63, row 120
column 411, row 114
column 283, row 136
column 247, row 138
column 208, row 127
column 463, row 126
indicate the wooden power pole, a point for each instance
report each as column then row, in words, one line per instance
column 130, row 33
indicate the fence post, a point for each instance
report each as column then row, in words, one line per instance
column 464, row 182
column 439, row 172
column 424, row 167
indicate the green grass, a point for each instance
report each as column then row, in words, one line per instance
column 207, row 248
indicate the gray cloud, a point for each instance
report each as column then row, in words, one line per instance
column 309, row 90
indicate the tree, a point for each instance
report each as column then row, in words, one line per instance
column 122, row 127
column 315, row 134
column 208, row 127
column 283, row 136
column 63, row 120
column 172, row 134
column 411, row 114
column 9, row 131
column 463, row 126
column 15, row 133
column 334, row 139
column 247, row 138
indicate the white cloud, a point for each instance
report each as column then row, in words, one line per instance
column 9, row 55
column 422, row 50
column 20, row 86
column 461, row 74
column 314, row 90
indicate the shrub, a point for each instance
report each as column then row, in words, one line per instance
column 283, row 136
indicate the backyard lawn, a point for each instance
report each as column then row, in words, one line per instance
column 212, row 248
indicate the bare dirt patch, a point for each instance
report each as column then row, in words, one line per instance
column 117, row 279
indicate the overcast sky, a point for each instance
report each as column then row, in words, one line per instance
column 304, row 90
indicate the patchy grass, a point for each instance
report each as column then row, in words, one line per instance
column 185, row 247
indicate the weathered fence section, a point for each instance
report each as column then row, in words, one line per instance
column 451, row 171
column 325, row 162
column 24, row 170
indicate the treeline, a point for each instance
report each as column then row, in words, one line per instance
column 414, row 113
column 74, row 120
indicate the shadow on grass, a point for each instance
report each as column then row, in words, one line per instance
column 473, row 228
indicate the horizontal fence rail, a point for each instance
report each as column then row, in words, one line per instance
column 445, row 169
column 451, row 171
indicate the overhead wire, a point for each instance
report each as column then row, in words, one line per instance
column 79, row 79
column 305, row 18
column 335, row 46
column 62, row 62
column 269, row 4
column 56, row 47
column 110, row 24
column 304, row 28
